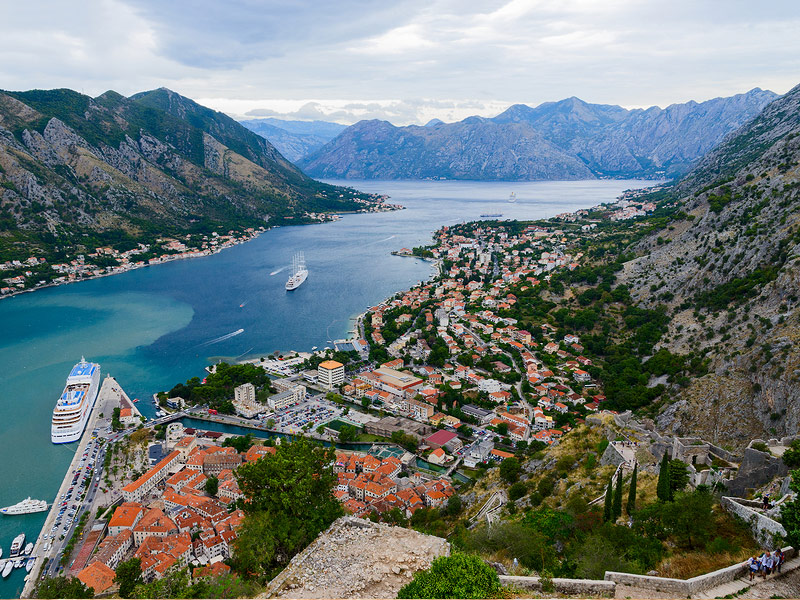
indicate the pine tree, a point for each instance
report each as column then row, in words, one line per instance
column 662, row 488
column 630, row 506
column 607, row 514
column 616, row 508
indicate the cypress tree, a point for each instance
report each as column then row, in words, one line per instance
column 607, row 514
column 616, row 508
column 630, row 506
column 662, row 489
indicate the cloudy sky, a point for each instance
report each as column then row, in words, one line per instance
column 406, row 62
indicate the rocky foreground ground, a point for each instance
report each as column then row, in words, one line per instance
column 356, row 558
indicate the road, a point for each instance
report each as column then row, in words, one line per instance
column 89, row 454
column 518, row 386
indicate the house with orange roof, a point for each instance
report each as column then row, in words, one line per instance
column 127, row 416
column 126, row 516
column 112, row 549
column 257, row 451
column 500, row 454
column 437, row 457
column 190, row 521
column 215, row 569
column 154, row 523
column 97, row 576
column 370, row 463
column 185, row 445
column 229, row 489
column 136, row 490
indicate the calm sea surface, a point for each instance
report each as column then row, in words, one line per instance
column 156, row 326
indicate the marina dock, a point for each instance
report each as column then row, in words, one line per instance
column 107, row 399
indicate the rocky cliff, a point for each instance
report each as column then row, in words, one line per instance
column 727, row 268
column 295, row 139
column 570, row 139
column 475, row 148
column 122, row 168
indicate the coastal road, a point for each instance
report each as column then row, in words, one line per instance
column 107, row 399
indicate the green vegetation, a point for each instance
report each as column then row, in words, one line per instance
column 616, row 507
column 349, row 433
column 456, row 576
column 177, row 583
column 288, row 502
column 241, row 443
column 791, row 456
column 630, row 506
column 76, row 535
column 510, row 469
column 63, row 587
column 128, row 576
column 116, row 424
column 577, row 542
column 211, row 486
column 663, row 489
column 608, row 503
column 217, row 391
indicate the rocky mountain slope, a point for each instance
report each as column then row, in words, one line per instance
column 727, row 268
column 570, row 139
column 295, row 139
column 121, row 168
column 475, row 148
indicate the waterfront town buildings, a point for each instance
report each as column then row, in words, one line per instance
column 330, row 374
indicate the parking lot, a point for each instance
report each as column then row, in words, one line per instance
column 84, row 477
column 310, row 413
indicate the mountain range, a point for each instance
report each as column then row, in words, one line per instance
column 124, row 168
column 569, row 139
column 295, row 139
column 727, row 267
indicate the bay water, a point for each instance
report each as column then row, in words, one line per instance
column 153, row 327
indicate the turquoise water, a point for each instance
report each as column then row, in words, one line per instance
column 153, row 327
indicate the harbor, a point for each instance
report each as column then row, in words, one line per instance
column 167, row 322
column 48, row 548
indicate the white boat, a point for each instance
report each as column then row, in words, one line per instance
column 19, row 563
column 29, row 564
column 299, row 272
column 75, row 403
column 9, row 566
column 28, row 548
column 17, row 545
column 25, row 507
column 513, row 197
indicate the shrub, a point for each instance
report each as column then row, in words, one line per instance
column 517, row 491
column 456, row 576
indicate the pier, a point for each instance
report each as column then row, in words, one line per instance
column 47, row 560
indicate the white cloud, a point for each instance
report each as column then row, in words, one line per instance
column 404, row 61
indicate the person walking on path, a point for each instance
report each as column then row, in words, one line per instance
column 777, row 559
column 766, row 563
column 754, row 566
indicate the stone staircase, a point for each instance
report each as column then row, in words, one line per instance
column 737, row 586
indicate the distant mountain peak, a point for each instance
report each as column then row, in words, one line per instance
column 606, row 140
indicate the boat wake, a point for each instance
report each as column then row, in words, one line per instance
column 222, row 338
column 391, row 237
column 276, row 271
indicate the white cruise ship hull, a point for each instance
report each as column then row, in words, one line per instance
column 75, row 403
column 296, row 280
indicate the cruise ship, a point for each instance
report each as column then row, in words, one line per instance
column 75, row 404
column 25, row 507
column 299, row 272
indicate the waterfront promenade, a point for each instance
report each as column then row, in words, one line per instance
column 47, row 551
